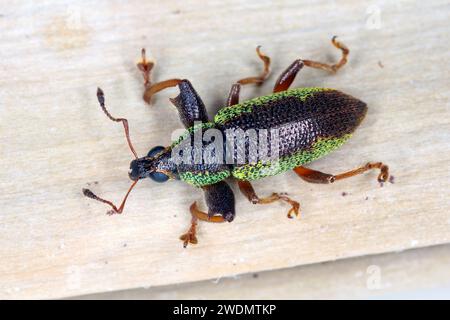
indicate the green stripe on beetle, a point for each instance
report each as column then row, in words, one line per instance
column 228, row 113
column 259, row 170
column 201, row 179
column 191, row 130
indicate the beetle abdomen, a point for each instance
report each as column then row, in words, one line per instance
column 309, row 123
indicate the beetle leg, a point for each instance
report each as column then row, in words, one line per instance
column 247, row 189
column 333, row 68
column 288, row 76
column 146, row 66
column 220, row 201
column 233, row 97
column 191, row 235
column 188, row 103
column 314, row 176
column 264, row 74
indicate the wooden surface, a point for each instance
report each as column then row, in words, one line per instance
column 413, row 274
column 55, row 140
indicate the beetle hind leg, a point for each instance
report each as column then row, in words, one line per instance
column 247, row 189
column 286, row 78
column 332, row 68
column 314, row 176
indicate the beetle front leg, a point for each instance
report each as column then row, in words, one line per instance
column 146, row 66
column 314, row 176
column 287, row 77
column 247, row 189
column 233, row 97
column 188, row 103
column 220, row 201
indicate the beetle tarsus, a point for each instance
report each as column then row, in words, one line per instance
column 145, row 66
column 314, row 176
column 247, row 189
column 286, row 78
column 196, row 214
column 333, row 68
column 190, row 236
column 259, row 80
column 233, row 96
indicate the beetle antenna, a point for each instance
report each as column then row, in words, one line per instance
column 88, row 193
column 101, row 100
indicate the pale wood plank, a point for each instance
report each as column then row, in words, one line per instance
column 413, row 274
column 55, row 140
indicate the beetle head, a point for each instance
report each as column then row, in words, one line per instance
column 156, row 166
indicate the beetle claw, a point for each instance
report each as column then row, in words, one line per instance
column 384, row 174
column 294, row 211
column 188, row 237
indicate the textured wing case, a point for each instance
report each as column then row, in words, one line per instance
column 308, row 123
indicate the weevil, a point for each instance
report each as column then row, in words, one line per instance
column 309, row 124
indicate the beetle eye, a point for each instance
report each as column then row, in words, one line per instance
column 154, row 151
column 159, row 177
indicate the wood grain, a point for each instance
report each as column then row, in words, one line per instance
column 413, row 274
column 55, row 140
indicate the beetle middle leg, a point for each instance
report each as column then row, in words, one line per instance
column 233, row 97
column 191, row 235
column 247, row 189
column 287, row 77
column 220, row 201
column 314, row 176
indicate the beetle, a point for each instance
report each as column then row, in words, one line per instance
column 309, row 123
